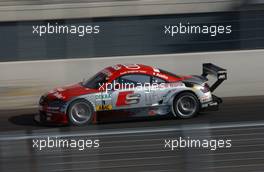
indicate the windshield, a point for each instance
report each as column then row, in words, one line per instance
column 96, row 81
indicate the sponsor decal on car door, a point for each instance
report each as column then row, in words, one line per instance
column 122, row 99
column 125, row 98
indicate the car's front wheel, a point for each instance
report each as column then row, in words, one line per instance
column 80, row 112
column 185, row 105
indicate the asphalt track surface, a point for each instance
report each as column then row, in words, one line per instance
column 139, row 145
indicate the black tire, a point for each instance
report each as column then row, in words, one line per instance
column 80, row 112
column 185, row 105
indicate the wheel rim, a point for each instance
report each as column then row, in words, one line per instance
column 186, row 106
column 80, row 113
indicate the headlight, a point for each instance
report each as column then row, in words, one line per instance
column 42, row 100
column 56, row 103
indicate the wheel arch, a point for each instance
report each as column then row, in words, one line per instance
column 181, row 92
column 78, row 99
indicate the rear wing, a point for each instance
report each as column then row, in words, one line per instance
column 215, row 71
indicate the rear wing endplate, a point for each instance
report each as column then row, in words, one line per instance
column 215, row 71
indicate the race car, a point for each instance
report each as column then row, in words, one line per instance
column 131, row 90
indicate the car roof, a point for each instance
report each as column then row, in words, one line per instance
column 122, row 69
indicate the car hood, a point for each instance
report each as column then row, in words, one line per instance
column 67, row 92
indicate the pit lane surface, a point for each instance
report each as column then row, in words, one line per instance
column 139, row 145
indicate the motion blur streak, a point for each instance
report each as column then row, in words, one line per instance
column 110, row 132
column 22, row 88
column 139, row 145
column 16, row 10
column 133, row 32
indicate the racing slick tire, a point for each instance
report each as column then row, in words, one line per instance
column 185, row 105
column 80, row 112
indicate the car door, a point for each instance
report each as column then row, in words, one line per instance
column 129, row 91
column 154, row 95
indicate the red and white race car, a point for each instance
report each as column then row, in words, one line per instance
column 132, row 90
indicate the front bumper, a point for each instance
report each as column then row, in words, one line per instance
column 44, row 117
column 51, row 111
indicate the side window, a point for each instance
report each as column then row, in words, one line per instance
column 135, row 79
column 157, row 80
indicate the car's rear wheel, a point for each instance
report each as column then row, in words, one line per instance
column 80, row 112
column 185, row 105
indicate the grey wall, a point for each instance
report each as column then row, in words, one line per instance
column 21, row 83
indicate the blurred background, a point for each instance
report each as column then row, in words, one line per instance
column 131, row 31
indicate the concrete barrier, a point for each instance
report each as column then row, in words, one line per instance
column 21, row 83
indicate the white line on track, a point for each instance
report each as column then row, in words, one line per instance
column 125, row 131
column 175, row 157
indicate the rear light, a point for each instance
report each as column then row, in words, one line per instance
column 205, row 88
